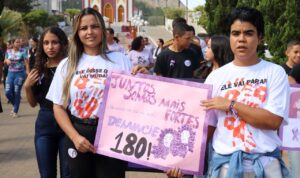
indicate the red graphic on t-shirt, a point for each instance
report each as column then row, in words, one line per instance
column 88, row 96
column 80, row 83
column 251, row 94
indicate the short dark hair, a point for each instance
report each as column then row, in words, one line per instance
column 110, row 30
column 136, row 43
column 292, row 43
column 180, row 29
column 178, row 20
column 192, row 29
column 251, row 15
column 161, row 41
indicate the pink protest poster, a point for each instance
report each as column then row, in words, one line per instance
column 154, row 121
column 290, row 133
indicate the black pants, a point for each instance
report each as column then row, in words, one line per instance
column 89, row 165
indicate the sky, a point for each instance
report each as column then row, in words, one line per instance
column 193, row 3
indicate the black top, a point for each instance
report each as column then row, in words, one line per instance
column 286, row 68
column 40, row 89
column 295, row 73
column 32, row 54
column 176, row 64
column 198, row 51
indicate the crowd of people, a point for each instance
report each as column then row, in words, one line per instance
column 66, row 123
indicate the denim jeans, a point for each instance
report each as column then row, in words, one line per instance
column 294, row 160
column 49, row 141
column 13, row 86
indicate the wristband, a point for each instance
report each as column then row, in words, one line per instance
column 231, row 108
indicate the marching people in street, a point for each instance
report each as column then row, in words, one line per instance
column 77, row 99
column 17, row 61
column 293, row 55
column 49, row 138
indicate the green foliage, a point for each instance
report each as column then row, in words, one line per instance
column 282, row 21
column 172, row 13
column 71, row 4
column 203, row 20
column 36, row 18
column 10, row 23
column 72, row 13
column 23, row 6
column 148, row 10
column 156, row 20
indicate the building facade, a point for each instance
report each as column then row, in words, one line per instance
column 115, row 10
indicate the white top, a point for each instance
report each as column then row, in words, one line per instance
column 143, row 58
column 87, row 85
column 262, row 85
column 116, row 47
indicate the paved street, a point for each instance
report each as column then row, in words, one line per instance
column 17, row 155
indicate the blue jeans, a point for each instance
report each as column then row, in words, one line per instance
column 294, row 160
column 49, row 141
column 13, row 86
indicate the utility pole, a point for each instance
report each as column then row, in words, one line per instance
column 166, row 3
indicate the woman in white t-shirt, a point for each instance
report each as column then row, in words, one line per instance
column 79, row 83
column 139, row 55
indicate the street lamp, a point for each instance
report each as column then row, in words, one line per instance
column 138, row 22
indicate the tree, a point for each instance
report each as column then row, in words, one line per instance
column 20, row 5
column 203, row 20
column 282, row 21
column 72, row 13
column 10, row 23
column 217, row 13
column 172, row 13
column 74, row 4
column 281, row 26
column 34, row 19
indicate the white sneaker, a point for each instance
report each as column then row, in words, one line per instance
column 15, row 115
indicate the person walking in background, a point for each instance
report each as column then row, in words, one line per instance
column 160, row 43
column 32, row 52
column 49, row 138
column 177, row 60
column 138, row 55
column 81, row 97
column 218, row 53
column 293, row 55
column 149, row 46
column 5, row 67
column 111, row 43
column 18, row 66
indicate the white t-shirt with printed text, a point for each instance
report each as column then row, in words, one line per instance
column 88, row 82
column 263, row 85
column 142, row 58
column 116, row 47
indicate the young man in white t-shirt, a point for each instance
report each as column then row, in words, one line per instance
column 248, row 105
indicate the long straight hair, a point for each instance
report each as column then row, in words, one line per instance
column 76, row 48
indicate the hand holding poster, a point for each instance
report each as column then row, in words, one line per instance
column 154, row 121
column 290, row 133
